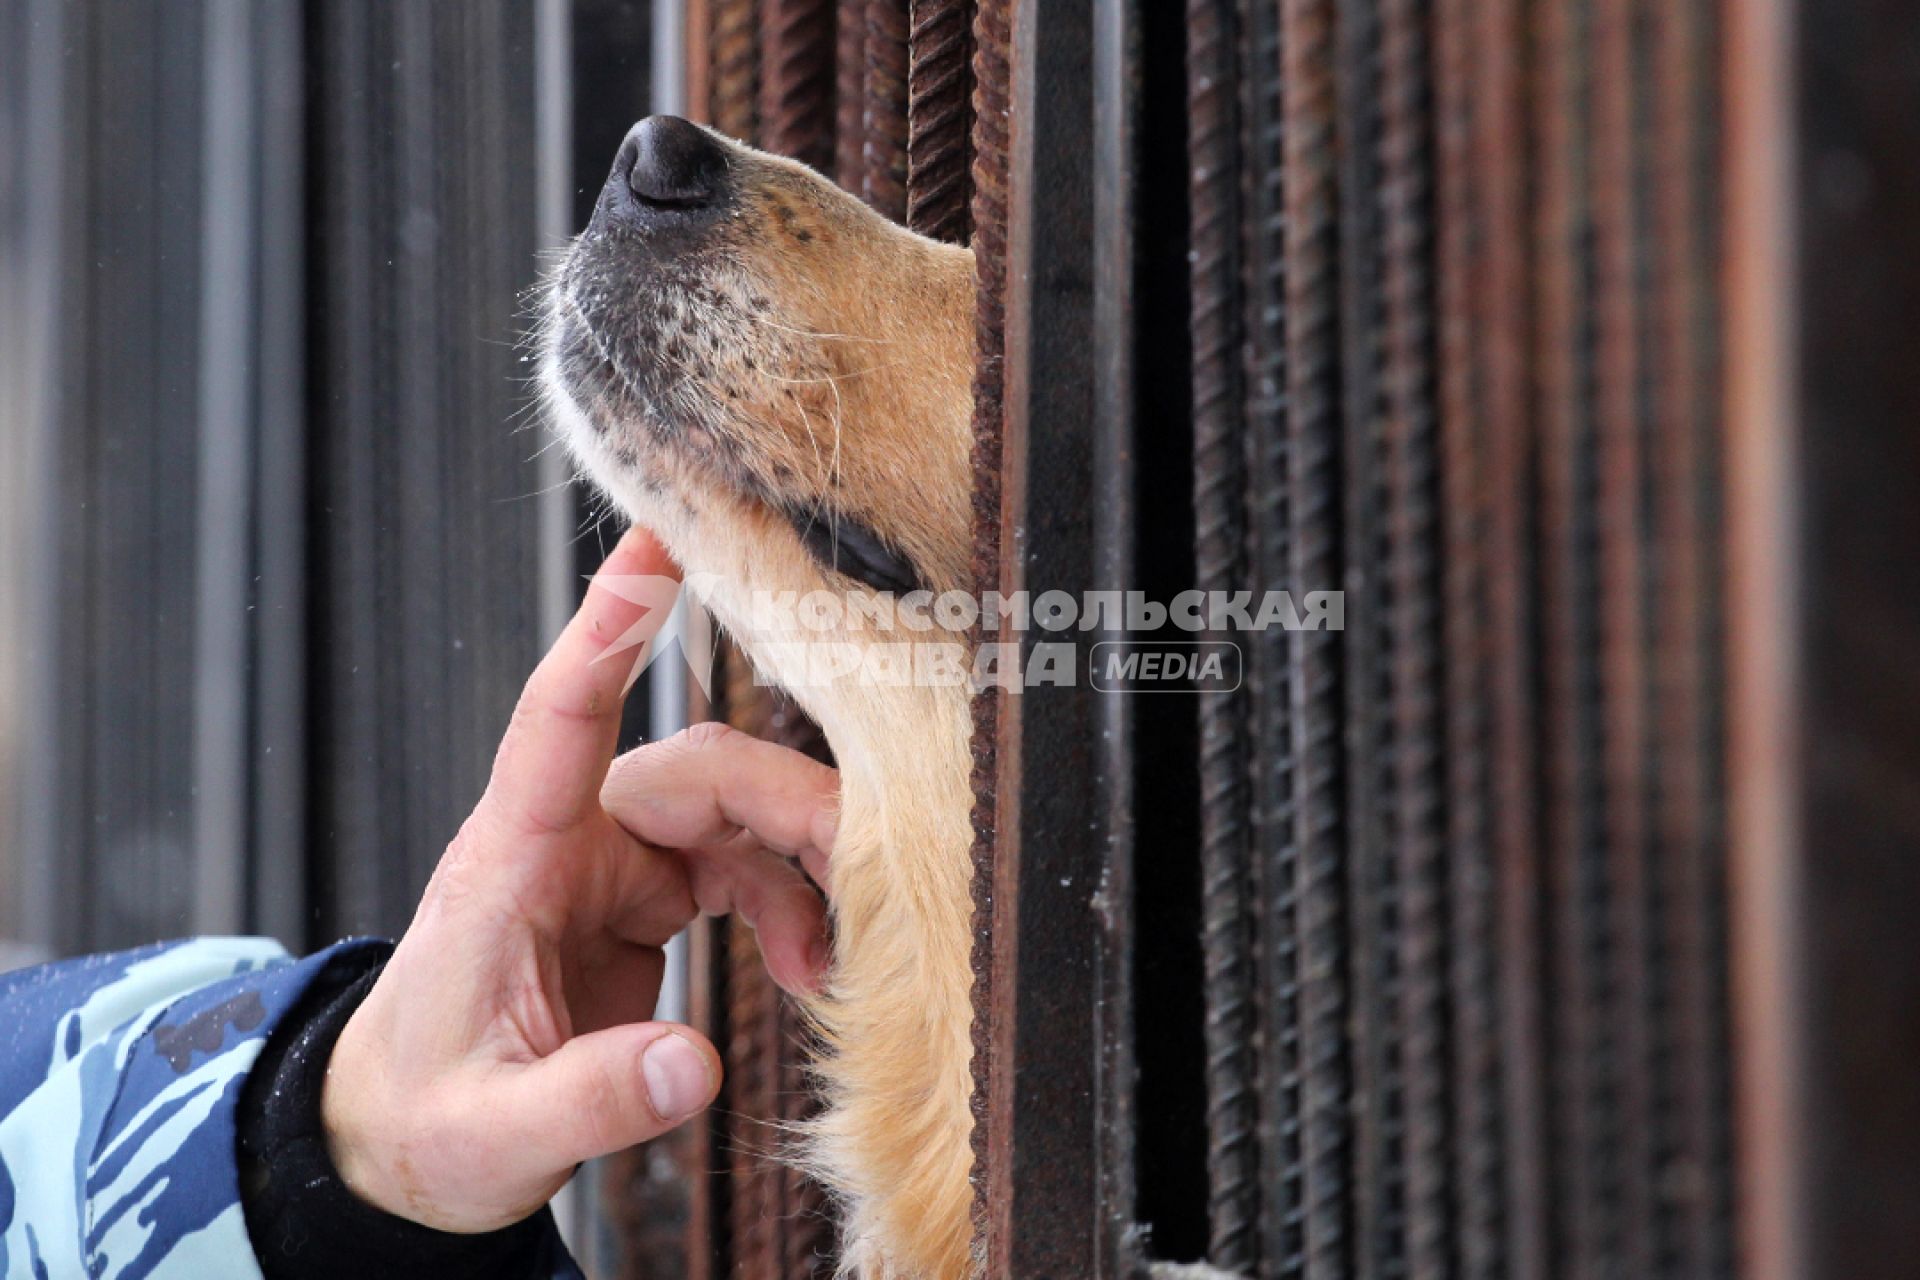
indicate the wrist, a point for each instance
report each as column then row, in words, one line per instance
column 316, row 1182
column 349, row 1123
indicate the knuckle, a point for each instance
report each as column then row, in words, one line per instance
column 707, row 734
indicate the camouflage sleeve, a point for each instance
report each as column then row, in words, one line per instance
column 120, row 1078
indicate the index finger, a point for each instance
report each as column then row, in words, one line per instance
column 708, row 782
column 554, row 756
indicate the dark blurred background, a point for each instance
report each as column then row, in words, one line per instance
column 1552, row 921
column 279, row 533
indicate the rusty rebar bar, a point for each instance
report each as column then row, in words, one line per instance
column 1371, row 870
column 733, row 80
column 811, row 1242
column 1474, row 974
column 753, row 1073
column 1219, row 498
column 797, row 79
column 1271, row 747
column 883, row 170
column 1688, row 693
column 992, row 68
column 940, row 119
column 1584, row 1051
column 1313, row 382
column 1615, row 180
column 1415, row 670
column 849, row 94
column 1506, row 149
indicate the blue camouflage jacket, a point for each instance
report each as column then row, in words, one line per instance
column 120, row 1078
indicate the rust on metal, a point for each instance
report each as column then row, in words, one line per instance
column 1585, row 1053
column 1271, row 747
column 811, row 1244
column 940, row 119
column 709, row 1226
column 1501, row 146
column 1220, row 496
column 849, row 94
column 752, row 1051
column 699, row 21
column 1687, row 695
column 1453, row 272
column 1414, row 668
column 1309, row 172
column 1616, row 185
column 1476, row 1167
column 778, row 1219
column 1371, row 873
column 992, row 69
column 797, row 79
column 883, row 170
column 733, row 78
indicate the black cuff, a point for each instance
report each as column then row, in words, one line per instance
column 304, row 1222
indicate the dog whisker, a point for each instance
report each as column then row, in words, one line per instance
column 819, row 333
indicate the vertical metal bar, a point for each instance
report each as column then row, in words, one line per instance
column 939, row 92
column 1272, row 761
column 992, row 76
column 753, row 1080
column 778, row 1227
column 1768, row 813
column 669, row 69
column 766, row 1219
column 1617, row 304
column 807, row 1222
column 1589, row 1069
column 343, row 364
column 1504, row 148
column 423, row 271
column 1415, row 669
column 797, row 79
column 1312, row 324
column 709, row 1221
column 1043, row 1183
column 1687, row 695
column 1220, row 495
column 883, row 178
column 734, row 52
column 1475, row 1165
column 727, row 78
column 850, row 94
column 1118, row 92
column 143, row 315
column 41, row 60
column 279, row 885
column 1371, row 874
column 223, row 567
column 553, row 151
column 692, row 41
column 576, row 1206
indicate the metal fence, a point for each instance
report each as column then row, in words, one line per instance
column 1548, row 921
column 280, row 547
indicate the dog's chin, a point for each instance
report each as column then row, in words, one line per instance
column 663, row 463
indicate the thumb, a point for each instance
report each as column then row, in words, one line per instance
column 611, row 1089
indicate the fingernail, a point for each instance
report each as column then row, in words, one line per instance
column 677, row 1080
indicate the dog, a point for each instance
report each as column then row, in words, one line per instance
column 777, row 381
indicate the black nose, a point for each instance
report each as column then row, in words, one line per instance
column 669, row 161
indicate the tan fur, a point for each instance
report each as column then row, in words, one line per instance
column 819, row 356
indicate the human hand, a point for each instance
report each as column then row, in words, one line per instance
column 508, row 1038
